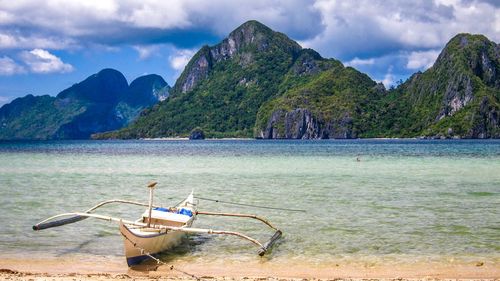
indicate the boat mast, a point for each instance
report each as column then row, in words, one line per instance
column 151, row 186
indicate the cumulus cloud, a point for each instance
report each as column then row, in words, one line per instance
column 341, row 28
column 9, row 67
column 389, row 78
column 367, row 34
column 299, row 19
column 422, row 60
column 41, row 61
column 151, row 21
column 146, row 51
column 156, row 14
column 367, row 28
column 357, row 62
column 180, row 59
column 18, row 41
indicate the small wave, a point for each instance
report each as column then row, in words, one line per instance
column 105, row 233
column 481, row 193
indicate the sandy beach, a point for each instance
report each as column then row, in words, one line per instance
column 103, row 269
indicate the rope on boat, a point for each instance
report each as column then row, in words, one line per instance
column 250, row 205
column 158, row 261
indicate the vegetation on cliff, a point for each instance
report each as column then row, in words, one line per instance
column 459, row 96
column 259, row 83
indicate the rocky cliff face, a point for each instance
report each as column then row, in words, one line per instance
column 458, row 93
column 307, row 63
column 251, row 35
column 481, row 61
column 302, row 124
column 257, row 82
column 296, row 124
column 459, row 96
column 250, row 38
column 198, row 69
column 488, row 121
column 223, row 86
column 325, row 106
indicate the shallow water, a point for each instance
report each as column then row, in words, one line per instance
column 405, row 200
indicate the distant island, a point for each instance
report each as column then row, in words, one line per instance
column 259, row 83
column 102, row 102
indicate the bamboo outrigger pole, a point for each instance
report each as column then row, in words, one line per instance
column 238, row 215
column 263, row 247
column 78, row 216
column 43, row 225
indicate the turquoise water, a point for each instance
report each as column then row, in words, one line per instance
column 405, row 199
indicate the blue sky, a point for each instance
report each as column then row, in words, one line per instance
column 46, row 46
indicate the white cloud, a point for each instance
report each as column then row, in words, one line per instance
column 142, row 22
column 338, row 28
column 369, row 28
column 357, row 62
column 343, row 29
column 16, row 41
column 181, row 58
column 6, row 18
column 146, row 51
column 389, row 78
column 422, row 60
column 299, row 19
column 9, row 67
column 41, row 61
column 156, row 14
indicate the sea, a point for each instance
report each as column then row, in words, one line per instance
column 369, row 200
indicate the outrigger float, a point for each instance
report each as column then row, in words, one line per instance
column 158, row 229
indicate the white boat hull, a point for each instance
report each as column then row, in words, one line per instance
column 138, row 247
column 141, row 243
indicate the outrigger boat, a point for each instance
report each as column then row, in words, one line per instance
column 159, row 228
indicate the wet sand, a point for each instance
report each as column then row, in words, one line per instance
column 106, row 269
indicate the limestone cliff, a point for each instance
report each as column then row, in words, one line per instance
column 459, row 96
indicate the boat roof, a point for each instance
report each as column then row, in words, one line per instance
column 169, row 216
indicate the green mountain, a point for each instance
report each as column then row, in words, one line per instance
column 102, row 102
column 226, row 89
column 459, row 96
column 321, row 99
column 222, row 87
column 259, row 83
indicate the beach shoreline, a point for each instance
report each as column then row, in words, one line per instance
column 103, row 269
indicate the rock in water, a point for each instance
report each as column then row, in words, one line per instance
column 197, row 134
